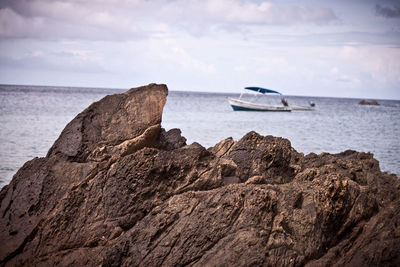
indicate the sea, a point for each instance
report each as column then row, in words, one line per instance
column 32, row 118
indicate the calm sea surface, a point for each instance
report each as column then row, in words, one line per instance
column 32, row 117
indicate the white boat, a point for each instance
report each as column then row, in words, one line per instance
column 238, row 104
column 242, row 105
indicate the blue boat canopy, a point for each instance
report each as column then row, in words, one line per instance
column 262, row 90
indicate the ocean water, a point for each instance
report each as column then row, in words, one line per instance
column 32, row 117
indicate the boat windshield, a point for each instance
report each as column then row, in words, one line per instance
column 263, row 99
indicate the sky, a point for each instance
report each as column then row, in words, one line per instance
column 337, row 48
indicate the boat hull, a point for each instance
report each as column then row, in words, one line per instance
column 239, row 105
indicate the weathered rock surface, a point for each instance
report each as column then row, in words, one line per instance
column 115, row 120
column 116, row 189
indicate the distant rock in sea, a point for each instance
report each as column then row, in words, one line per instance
column 365, row 102
column 117, row 189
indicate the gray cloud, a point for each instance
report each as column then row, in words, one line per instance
column 388, row 38
column 75, row 19
column 388, row 12
column 138, row 19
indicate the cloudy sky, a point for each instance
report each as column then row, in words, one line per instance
column 336, row 48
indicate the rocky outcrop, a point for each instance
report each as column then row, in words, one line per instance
column 115, row 122
column 365, row 102
column 116, row 189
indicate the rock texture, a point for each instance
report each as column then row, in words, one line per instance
column 118, row 190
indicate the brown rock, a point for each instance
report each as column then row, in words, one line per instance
column 111, row 121
column 81, row 151
column 365, row 102
column 145, row 198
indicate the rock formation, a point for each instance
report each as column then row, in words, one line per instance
column 365, row 102
column 116, row 189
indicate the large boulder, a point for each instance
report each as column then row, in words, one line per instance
column 113, row 127
column 145, row 198
column 114, row 120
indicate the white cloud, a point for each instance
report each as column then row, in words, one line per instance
column 172, row 53
column 381, row 63
column 53, row 59
column 334, row 70
column 125, row 20
column 338, row 76
column 55, row 20
column 248, row 12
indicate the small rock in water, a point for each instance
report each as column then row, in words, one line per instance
column 365, row 102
